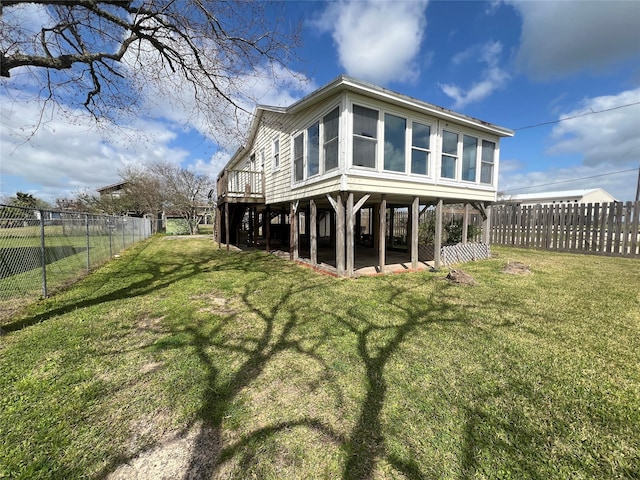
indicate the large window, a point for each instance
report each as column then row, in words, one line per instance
column 449, row 154
column 330, row 124
column 313, row 150
column 298, row 157
column 365, row 134
column 486, row 167
column 469, row 156
column 420, row 144
column 394, row 142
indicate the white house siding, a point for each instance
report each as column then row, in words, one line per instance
column 285, row 124
column 408, row 188
column 279, row 184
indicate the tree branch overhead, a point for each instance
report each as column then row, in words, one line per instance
column 113, row 52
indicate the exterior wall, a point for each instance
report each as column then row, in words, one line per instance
column 285, row 188
column 597, row 196
column 281, row 186
column 437, row 126
column 408, row 187
column 280, row 183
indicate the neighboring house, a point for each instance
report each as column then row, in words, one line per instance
column 350, row 153
column 592, row 195
column 115, row 190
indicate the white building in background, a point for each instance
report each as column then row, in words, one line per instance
column 591, row 195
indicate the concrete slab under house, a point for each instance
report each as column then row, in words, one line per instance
column 344, row 178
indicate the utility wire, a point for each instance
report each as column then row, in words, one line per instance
column 571, row 180
column 591, row 112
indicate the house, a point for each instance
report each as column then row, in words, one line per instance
column 329, row 171
column 115, row 190
column 590, row 195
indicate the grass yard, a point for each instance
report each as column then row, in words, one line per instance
column 242, row 365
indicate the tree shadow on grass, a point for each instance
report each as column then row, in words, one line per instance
column 376, row 341
column 366, row 444
column 278, row 321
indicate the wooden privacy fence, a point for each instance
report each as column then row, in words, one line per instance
column 599, row 228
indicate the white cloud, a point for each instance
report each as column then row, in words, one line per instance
column 213, row 166
column 377, row 41
column 563, row 37
column 493, row 76
column 61, row 157
column 610, row 137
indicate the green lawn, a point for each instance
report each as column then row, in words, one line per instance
column 281, row 372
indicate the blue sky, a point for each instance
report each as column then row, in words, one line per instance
column 515, row 64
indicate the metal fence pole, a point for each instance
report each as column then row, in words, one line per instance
column 109, row 227
column 86, row 221
column 43, row 255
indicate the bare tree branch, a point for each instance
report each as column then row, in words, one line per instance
column 109, row 54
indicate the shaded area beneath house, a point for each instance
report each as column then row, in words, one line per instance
column 365, row 258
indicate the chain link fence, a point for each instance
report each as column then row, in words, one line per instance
column 44, row 250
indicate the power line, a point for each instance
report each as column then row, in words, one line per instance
column 572, row 180
column 591, row 112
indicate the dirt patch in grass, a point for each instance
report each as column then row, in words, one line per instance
column 180, row 456
column 516, row 268
column 215, row 304
column 461, row 277
column 150, row 367
column 149, row 323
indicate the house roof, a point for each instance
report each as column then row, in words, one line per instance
column 111, row 188
column 555, row 195
column 346, row 83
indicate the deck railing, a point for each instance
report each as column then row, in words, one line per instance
column 238, row 183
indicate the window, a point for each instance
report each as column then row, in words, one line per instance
column 298, row 157
column 469, row 156
column 394, row 142
column 252, row 162
column 313, row 149
column 365, row 134
column 262, row 159
column 330, row 124
column 486, row 166
column 449, row 154
column 276, row 154
column 420, row 141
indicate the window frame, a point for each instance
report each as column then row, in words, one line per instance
column 316, row 120
column 307, row 149
column 295, row 157
column 410, row 118
column 406, row 120
column 275, row 150
column 375, row 140
column 332, row 140
column 483, row 161
column 456, row 157
column 428, row 151
column 475, row 159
